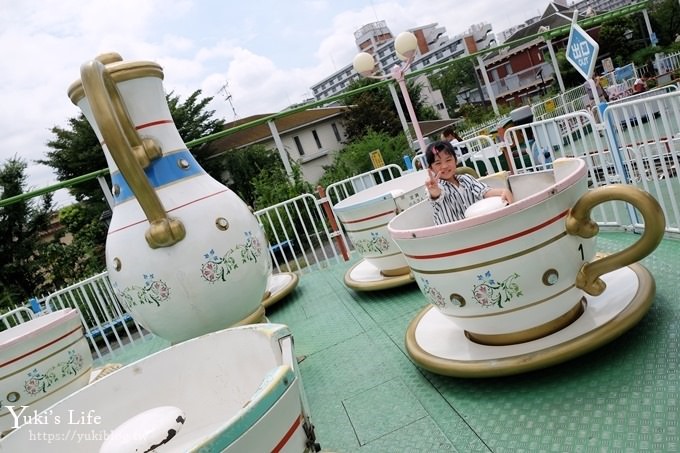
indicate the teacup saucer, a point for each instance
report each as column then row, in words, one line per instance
column 435, row 343
column 364, row 276
column 279, row 286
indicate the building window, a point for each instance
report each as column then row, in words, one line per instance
column 298, row 144
column 336, row 132
column 316, row 139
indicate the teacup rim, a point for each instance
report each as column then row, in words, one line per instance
column 344, row 204
column 436, row 230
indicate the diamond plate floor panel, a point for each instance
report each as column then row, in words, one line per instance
column 620, row 397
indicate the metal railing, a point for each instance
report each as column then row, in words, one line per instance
column 16, row 316
column 669, row 63
column 109, row 328
column 300, row 235
column 572, row 100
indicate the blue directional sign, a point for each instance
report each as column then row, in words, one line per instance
column 582, row 51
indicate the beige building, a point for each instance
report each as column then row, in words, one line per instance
column 310, row 138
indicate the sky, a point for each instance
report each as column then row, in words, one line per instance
column 266, row 54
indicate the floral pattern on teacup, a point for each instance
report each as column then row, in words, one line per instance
column 41, row 381
column 376, row 244
column 154, row 291
column 491, row 292
column 218, row 267
column 433, row 295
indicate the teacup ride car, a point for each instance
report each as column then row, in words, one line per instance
column 364, row 216
column 238, row 390
column 520, row 287
column 41, row 361
column 279, row 285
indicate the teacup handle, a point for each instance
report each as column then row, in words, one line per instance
column 579, row 223
column 130, row 153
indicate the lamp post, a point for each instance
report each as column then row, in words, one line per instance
column 405, row 45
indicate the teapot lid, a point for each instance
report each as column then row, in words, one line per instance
column 120, row 71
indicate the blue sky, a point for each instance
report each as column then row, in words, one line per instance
column 269, row 53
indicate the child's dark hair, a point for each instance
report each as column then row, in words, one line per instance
column 438, row 147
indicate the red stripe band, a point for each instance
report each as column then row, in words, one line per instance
column 41, row 347
column 369, row 218
column 492, row 243
column 284, row 440
column 153, row 123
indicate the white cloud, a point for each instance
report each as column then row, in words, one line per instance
column 269, row 52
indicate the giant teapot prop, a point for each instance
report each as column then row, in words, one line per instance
column 183, row 252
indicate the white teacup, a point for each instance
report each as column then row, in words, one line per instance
column 365, row 216
column 521, row 272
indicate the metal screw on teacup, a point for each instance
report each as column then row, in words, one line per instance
column 222, row 224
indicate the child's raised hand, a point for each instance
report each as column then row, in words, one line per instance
column 432, row 184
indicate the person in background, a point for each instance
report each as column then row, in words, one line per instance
column 640, row 85
column 450, row 193
column 449, row 135
column 600, row 84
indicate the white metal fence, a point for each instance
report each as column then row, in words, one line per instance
column 570, row 101
column 301, row 235
column 109, row 328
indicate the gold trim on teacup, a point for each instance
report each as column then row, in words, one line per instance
column 367, row 229
column 395, row 272
column 384, row 256
column 120, row 71
column 255, row 317
column 533, row 333
column 494, row 261
column 363, row 219
column 550, row 277
column 597, row 336
column 505, row 311
column 376, row 285
column 458, row 298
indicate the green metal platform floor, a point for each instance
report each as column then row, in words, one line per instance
column 365, row 393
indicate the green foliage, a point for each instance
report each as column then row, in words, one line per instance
column 243, row 166
column 75, row 151
column 460, row 74
column 570, row 75
column 664, row 16
column 613, row 41
column 374, row 109
column 21, row 227
column 272, row 185
column 355, row 157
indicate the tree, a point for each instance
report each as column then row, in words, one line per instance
column 451, row 80
column 665, row 20
column 374, row 109
column 244, row 165
column 21, row 227
column 355, row 159
column 613, row 41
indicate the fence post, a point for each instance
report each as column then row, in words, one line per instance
column 331, row 220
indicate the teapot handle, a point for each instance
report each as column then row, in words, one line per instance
column 129, row 152
column 579, row 223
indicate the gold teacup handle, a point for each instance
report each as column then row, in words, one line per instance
column 579, row 223
column 128, row 151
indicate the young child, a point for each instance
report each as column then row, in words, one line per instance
column 452, row 194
